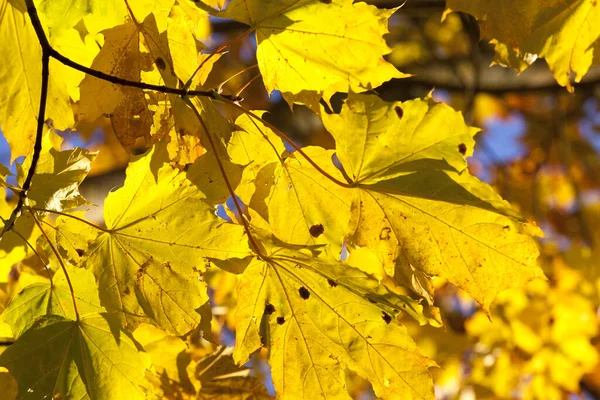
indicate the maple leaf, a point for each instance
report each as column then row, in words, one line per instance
column 310, row 46
column 20, row 69
column 254, row 146
column 91, row 357
column 53, row 298
column 416, row 205
column 319, row 318
column 55, row 186
column 299, row 202
column 563, row 32
column 149, row 258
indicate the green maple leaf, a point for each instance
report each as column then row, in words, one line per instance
column 318, row 318
column 160, row 234
column 90, row 358
column 53, row 298
column 309, row 47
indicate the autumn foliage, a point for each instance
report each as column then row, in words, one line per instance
column 329, row 259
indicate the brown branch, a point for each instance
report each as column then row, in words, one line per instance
column 489, row 89
column 253, row 243
column 37, row 147
column 39, row 30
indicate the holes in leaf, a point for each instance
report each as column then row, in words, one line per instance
column 304, row 293
column 386, row 317
column 280, row 320
column 269, row 309
column 385, row 233
column 399, row 112
column 160, row 63
column 462, row 148
column 332, row 283
column 80, row 252
column 316, row 230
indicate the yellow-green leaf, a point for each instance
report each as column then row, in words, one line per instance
column 416, row 205
column 89, row 358
column 160, row 233
column 303, row 206
column 376, row 140
column 55, row 185
column 53, row 298
column 21, row 71
column 318, row 319
column 311, row 46
column 253, row 145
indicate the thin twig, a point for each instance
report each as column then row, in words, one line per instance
column 85, row 221
column 60, row 261
column 37, row 147
column 226, row 179
column 37, row 254
column 216, row 51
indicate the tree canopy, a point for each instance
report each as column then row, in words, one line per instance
column 297, row 212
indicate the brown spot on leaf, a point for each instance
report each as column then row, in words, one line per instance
column 269, row 309
column 506, row 227
column 372, row 301
column 316, row 230
column 385, row 233
column 304, row 293
column 386, row 317
column 127, row 290
column 325, row 1
column 280, row 320
column 80, row 252
column 160, row 63
column 332, row 283
column 462, row 148
column 399, row 112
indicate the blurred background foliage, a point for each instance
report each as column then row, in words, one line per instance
column 539, row 147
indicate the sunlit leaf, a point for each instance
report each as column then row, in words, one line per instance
column 317, row 46
column 418, row 208
column 89, row 358
column 562, row 32
column 53, row 298
column 21, row 70
column 318, row 319
column 149, row 260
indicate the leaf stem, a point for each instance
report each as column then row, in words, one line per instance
column 287, row 139
column 37, row 254
column 85, row 221
column 253, row 243
column 60, row 261
column 216, row 51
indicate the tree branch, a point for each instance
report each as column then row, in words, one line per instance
column 37, row 147
column 39, row 30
